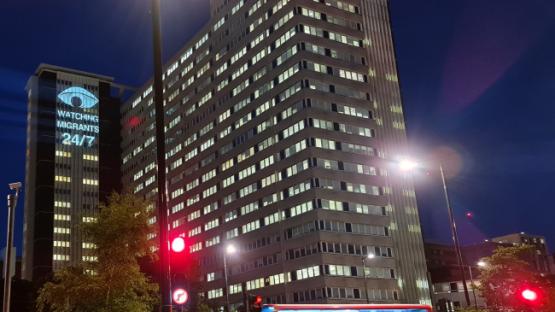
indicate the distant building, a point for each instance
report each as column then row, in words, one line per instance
column 446, row 276
column 540, row 259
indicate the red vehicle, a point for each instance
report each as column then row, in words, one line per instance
column 346, row 308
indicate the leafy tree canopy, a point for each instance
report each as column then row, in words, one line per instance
column 114, row 282
column 506, row 274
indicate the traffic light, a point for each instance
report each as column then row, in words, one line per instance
column 255, row 303
column 531, row 298
column 178, row 244
column 529, row 295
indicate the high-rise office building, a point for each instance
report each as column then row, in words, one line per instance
column 73, row 161
column 283, row 119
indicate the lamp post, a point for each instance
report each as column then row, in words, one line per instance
column 162, row 201
column 229, row 250
column 473, row 287
column 409, row 165
column 12, row 203
column 370, row 256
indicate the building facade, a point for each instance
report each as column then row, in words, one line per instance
column 72, row 163
column 540, row 258
column 283, row 122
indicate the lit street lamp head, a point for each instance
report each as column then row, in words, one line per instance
column 482, row 264
column 407, row 165
column 371, row 256
column 15, row 186
column 230, row 249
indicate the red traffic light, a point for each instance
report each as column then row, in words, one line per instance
column 178, row 244
column 258, row 300
column 255, row 303
column 529, row 295
column 180, row 296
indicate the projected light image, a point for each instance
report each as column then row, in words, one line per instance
column 78, row 97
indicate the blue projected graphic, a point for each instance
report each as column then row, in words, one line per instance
column 78, row 97
column 272, row 309
column 351, row 310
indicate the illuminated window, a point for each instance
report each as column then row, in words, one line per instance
column 195, row 231
column 177, row 193
column 62, row 204
column 255, row 284
column 90, row 258
column 210, row 208
column 210, row 191
column 235, row 289
column 249, row 208
column 228, row 181
column 277, row 279
column 209, row 175
column 213, row 241
column 62, row 217
column 57, row 257
column 90, row 157
column 215, row 293
column 232, row 233
column 193, row 215
column 300, row 209
column 65, row 244
column 63, row 154
column 88, row 245
column 195, row 247
column 211, row 224
column 61, row 230
column 90, row 182
column 89, row 220
column 63, row 179
column 247, row 172
column 227, row 164
column 351, row 75
column 308, row 272
column 251, row 226
column 191, row 185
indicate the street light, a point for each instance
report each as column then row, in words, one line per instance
column 12, row 203
column 229, row 250
column 407, row 165
column 370, row 256
column 411, row 165
column 482, row 264
column 473, row 286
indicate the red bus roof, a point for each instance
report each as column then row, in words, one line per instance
column 278, row 307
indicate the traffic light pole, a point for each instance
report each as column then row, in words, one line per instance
column 162, row 201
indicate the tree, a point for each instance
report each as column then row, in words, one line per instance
column 114, row 282
column 504, row 277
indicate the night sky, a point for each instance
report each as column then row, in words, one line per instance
column 477, row 77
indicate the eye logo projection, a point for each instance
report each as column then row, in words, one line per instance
column 78, row 97
column 87, row 125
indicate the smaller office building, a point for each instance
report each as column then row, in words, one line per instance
column 72, row 164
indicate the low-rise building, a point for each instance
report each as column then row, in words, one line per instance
column 445, row 274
